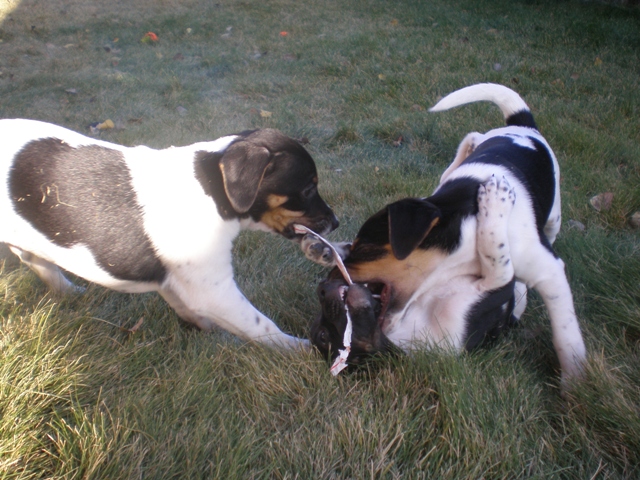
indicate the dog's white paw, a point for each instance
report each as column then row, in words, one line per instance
column 317, row 251
column 495, row 199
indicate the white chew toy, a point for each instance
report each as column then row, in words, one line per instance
column 340, row 362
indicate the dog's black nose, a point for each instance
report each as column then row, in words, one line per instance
column 329, row 289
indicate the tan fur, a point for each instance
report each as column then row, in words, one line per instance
column 279, row 218
column 404, row 275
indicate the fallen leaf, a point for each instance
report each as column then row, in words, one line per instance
column 597, row 62
column 382, row 77
column 394, row 22
column 576, row 224
column 149, row 37
column 265, row 114
column 602, row 202
column 97, row 126
column 107, row 124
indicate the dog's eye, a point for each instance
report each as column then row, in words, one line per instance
column 323, row 338
column 310, row 191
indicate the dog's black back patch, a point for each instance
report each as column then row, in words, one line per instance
column 532, row 167
column 84, row 196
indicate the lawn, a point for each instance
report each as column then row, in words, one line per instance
column 84, row 394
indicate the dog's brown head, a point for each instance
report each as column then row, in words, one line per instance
column 268, row 177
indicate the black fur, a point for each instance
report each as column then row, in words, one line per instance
column 258, row 164
column 523, row 118
column 534, row 168
column 84, row 196
column 207, row 171
column 488, row 318
column 454, row 202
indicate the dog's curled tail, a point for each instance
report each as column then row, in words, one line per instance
column 515, row 110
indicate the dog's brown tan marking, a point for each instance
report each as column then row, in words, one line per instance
column 405, row 276
column 279, row 218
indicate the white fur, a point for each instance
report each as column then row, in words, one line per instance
column 534, row 265
column 191, row 239
column 434, row 315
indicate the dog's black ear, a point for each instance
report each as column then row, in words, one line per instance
column 410, row 221
column 243, row 166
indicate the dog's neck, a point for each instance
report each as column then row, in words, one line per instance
column 208, row 173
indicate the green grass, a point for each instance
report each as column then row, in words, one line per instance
column 81, row 397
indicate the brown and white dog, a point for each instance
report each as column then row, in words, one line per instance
column 453, row 269
column 136, row 219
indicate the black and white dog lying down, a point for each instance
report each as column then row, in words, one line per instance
column 136, row 219
column 453, row 269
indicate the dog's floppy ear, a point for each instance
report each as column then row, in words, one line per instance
column 410, row 221
column 243, row 166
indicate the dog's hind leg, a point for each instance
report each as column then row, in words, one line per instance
column 551, row 282
column 48, row 272
column 520, row 291
column 495, row 201
column 466, row 148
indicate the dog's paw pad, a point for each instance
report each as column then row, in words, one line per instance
column 317, row 251
column 495, row 197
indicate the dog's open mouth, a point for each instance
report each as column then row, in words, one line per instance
column 379, row 299
column 381, row 293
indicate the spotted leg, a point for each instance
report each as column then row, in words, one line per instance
column 495, row 201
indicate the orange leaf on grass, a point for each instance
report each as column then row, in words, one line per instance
column 149, row 37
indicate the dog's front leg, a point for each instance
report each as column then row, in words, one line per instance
column 221, row 304
column 317, row 250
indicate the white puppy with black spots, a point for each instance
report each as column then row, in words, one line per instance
column 448, row 268
column 136, row 219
